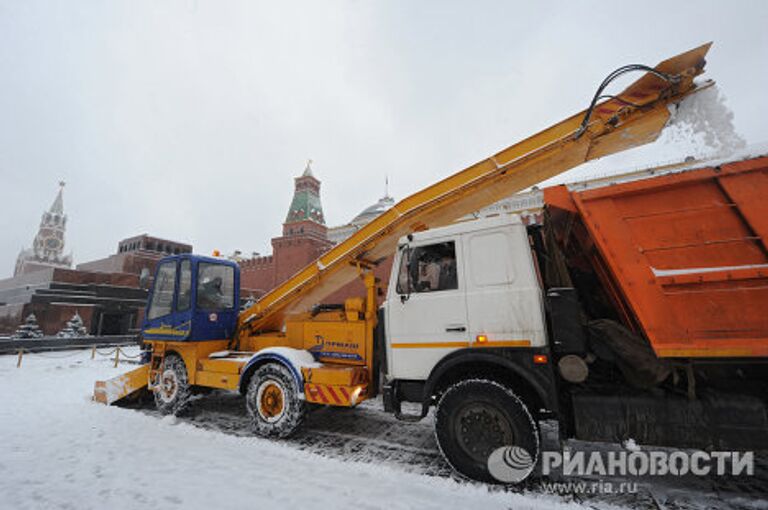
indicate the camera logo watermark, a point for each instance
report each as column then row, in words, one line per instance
column 510, row 464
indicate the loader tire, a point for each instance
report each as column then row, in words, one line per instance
column 172, row 392
column 273, row 401
column 476, row 417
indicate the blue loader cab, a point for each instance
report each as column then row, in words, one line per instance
column 193, row 298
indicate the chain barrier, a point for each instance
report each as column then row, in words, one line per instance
column 70, row 355
column 118, row 351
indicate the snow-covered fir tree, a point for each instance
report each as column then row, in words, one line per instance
column 30, row 328
column 73, row 328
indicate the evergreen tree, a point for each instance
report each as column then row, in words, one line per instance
column 30, row 328
column 73, row 328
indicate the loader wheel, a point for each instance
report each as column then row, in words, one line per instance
column 172, row 391
column 273, row 401
column 476, row 417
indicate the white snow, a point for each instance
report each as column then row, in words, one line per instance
column 631, row 445
column 698, row 270
column 702, row 129
column 61, row 450
column 296, row 357
column 704, row 123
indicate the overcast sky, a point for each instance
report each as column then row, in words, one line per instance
column 189, row 119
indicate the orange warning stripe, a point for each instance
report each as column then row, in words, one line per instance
column 458, row 345
column 334, row 394
column 314, row 393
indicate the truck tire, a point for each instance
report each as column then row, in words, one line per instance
column 172, row 391
column 476, row 417
column 273, row 401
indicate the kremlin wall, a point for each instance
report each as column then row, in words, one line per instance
column 109, row 294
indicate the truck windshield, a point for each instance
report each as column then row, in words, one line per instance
column 215, row 286
column 162, row 296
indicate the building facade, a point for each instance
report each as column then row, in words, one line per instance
column 107, row 293
column 136, row 255
column 342, row 232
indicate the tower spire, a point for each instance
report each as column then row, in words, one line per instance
column 308, row 169
column 57, row 207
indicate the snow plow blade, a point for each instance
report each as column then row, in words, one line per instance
column 110, row 391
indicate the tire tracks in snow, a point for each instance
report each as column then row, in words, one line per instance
column 369, row 435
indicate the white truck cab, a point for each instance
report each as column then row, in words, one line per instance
column 468, row 285
column 464, row 330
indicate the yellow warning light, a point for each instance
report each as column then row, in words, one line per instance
column 216, row 253
column 355, row 395
column 481, row 339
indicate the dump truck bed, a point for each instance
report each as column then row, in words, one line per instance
column 684, row 256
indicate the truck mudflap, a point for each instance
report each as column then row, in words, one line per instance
column 123, row 386
column 718, row 420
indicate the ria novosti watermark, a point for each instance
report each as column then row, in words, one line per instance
column 512, row 464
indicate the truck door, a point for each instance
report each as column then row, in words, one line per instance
column 427, row 316
column 216, row 300
column 504, row 302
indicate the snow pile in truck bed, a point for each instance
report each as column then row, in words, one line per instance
column 60, row 450
column 703, row 124
column 701, row 129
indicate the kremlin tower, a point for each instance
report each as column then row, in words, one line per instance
column 48, row 247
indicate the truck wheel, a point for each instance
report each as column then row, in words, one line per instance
column 476, row 417
column 172, row 391
column 273, row 401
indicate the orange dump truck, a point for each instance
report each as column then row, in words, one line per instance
column 673, row 273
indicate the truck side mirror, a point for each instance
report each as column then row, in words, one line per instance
column 406, row 259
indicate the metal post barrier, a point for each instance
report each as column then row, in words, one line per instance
column 117, row 355
column 93, row 352
column 21, row 354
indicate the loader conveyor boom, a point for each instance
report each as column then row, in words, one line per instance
column 630, row 119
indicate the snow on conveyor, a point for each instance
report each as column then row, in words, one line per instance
column 60, row 450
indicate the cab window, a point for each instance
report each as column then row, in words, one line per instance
column 428, row 268
column 215, row 286
column 185, row 286
column 162, row 296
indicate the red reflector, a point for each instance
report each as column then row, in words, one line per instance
column 540, row 359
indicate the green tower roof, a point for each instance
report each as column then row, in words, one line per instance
column 306, row 205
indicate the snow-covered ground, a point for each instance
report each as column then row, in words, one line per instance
column 60, row 450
